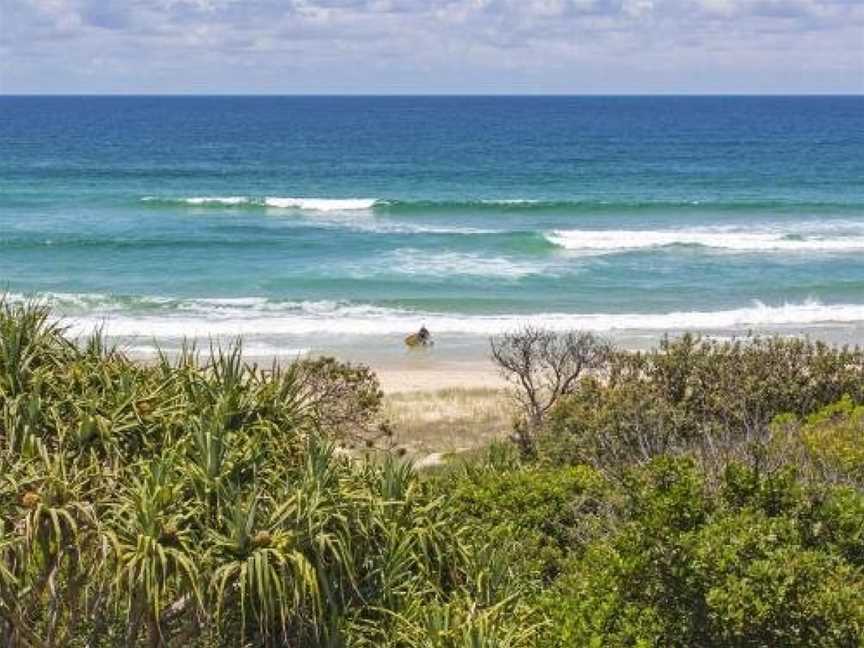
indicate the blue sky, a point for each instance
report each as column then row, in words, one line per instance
column 431, row 46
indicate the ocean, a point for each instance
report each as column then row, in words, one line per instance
column 341, row 224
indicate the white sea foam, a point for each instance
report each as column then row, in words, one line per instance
column 412, row 261
column 308, row 204
column 368, row 222
column 252, row 348
column 216, row 200
column 349, row 213
column 605, row 241
column 163, row 318
column 365, row 220
column 321, row 204
column 386, row 227
column 202, row 200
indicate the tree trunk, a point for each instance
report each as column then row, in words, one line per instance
column 154, row 633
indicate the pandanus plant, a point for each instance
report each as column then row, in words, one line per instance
column 201, row 500
column 53, row 547
column 259, row 570
column 154, row 566
column 29, row 341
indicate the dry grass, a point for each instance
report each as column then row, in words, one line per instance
column 434, row 424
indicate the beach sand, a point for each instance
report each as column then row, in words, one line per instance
column 441, row 409
column 438, row 375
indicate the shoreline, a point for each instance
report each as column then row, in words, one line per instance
column 466, row 354
column 454, row 362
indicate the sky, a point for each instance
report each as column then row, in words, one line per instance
column 431, row 46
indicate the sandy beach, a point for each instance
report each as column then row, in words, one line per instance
column 441, row 409
column 435, row 376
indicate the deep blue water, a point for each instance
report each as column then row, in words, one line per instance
column 291, row 219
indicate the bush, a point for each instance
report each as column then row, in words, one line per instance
column 762, row 587
column 537, row 515
column 837, row 522
column 611, row 425
column 202, row 500
column 686, row 569
column 342, row 398
column 715, row 399
column 834, row 436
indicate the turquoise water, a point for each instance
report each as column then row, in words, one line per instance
column 346, row 222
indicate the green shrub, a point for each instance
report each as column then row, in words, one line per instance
column 836, row 521
column 687, row 569
column 712, row 398
column 609, row 425
column 341, row 396
column 526, row 499
column 200, row 501
column 761, row 587
column 834, row 436
column 539, row 514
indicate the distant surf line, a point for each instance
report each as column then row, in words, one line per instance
column 406, row 206
column 165, row 317
column 511, row 242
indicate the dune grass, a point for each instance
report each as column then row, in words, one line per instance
column 448, row 421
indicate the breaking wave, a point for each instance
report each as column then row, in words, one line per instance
column 607, row 241
column 166, row 318
column 410, row 206
column 309, row 204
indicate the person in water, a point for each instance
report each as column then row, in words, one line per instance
column 424, row 335
column 421, row 338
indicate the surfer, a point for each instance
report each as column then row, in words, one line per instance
column 421, row 338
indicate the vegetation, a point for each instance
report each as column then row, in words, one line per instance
column 544, row 366
column 732, row 503
column 702, row 494
column 204, row 502
column 713, row 399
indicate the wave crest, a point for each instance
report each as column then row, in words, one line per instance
column 606, row 241
column 310, row 204
column 322, row 204
column 586, row 205
column 166, row 318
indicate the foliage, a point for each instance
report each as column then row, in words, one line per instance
column 716, row 399
column 199, row 501
column 687, row 569
column 342, row 397
column 202, row 501
column 834, row 437
column 536, row 514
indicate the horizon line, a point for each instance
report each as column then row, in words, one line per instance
column 432, row 94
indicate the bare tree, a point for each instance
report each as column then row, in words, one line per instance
column 542, row 366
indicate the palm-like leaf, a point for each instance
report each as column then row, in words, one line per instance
column 151, row 538
column 261, row 570
column 204, row 498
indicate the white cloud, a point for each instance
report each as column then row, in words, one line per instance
column 637, row 8
column 437, row 45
